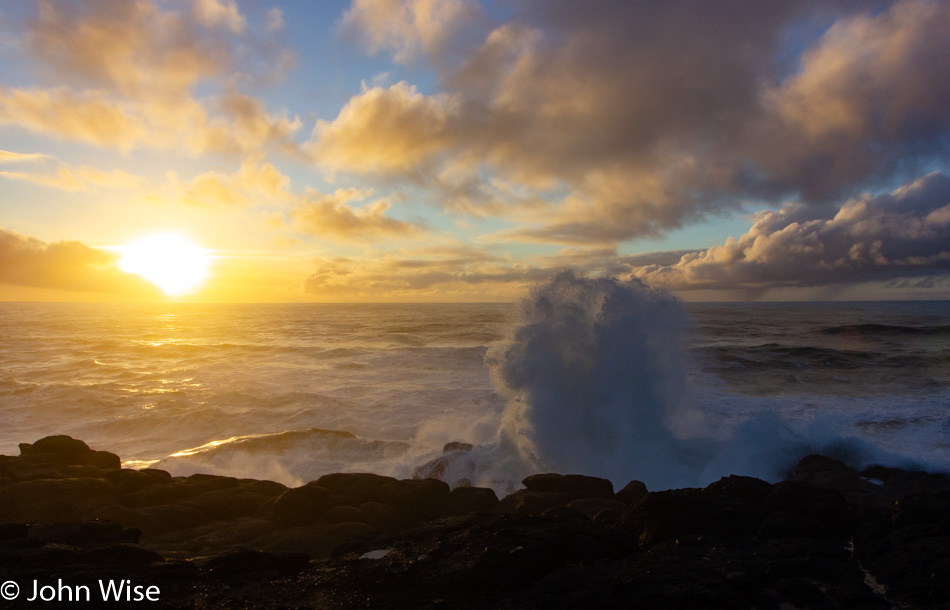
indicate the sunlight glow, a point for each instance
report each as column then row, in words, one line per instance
column 169, row 260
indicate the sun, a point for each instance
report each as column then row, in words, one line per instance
column 170, row 260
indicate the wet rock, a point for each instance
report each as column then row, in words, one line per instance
column 591, row 506
column 748, row 489
column 467, row 500
column 632, row 492
column 121, row 554
column 170, row 518
column 416, row 499
column 13, row 531
column 680, row 513
column 52, row 499
column 827, row 473
column 303, row 505
column 798, row 510
column 127, row 481
column 528, row 502
column 254, row 561
column 228, row 503
column 62, row 449
column 381, row 516
column 344, row 514
column 85, row 533
column 574, row 485
column 355, row 488
column 316, row 543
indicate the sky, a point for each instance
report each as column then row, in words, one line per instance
column 457, row 150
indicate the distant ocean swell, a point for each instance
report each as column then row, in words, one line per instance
column 594, row 376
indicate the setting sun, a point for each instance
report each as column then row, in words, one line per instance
column 169, row 260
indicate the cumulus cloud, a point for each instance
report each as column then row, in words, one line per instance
column 65, row 265
column 331, row 217
column 126, row 72
column 393, row 130
column 901, row 234
column 252, row 184
column 632, row 118
column 406, row 28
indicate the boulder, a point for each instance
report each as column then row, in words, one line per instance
column 632, row 492
column 467, row 500
column 528, row 502
column 748, row 489
column 354, row 487
column 416, row 499
column 683, row 513
column 52, row 499
column 302, row 505
column 574, row 485
column 62, row 449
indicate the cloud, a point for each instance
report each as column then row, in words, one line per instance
column 220, row 12
column 330, row 217
column 250, row 185
column 126, row 72
column 7, row 156
column 632, row 118
column 406, row 28
column 903, row 234
column 54, row 173
column 394, row 130
column 89, row 117
column 76, row 179
column 450, row 272
column 65, row 265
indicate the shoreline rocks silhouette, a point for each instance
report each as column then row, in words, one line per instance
column 828, row 536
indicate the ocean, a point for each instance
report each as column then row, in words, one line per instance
column 586, row 376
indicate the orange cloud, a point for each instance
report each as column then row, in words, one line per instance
column 406, row 27
column 82, row 178
column 25, row 261
column 331, row 217
column 251, row 184
column 387, row 131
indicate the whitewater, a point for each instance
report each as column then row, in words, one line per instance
column 590, row 376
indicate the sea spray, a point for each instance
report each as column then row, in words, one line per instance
column 595, row 377
column 596, row 382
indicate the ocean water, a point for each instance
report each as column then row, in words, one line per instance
column 588, row 376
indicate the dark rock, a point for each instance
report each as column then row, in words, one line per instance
column 172, row 492
column 466, row 500
column 127, row 481
column 344, row 514
column 170, row 518
column 574, row 485
column 456, row 446
column 62, row 449
column 416, row 499
column 122, row 554
column 355, row 487
column 13, row 531
column 528, row 502
column 265, row 488
column 316, row 543
column 255, row 561
column 827, row 473
column 801, row 510
column 85, row 533
column 52, row 499
column 591, row 506
column 681, row 513
column 228, row 503
column 748, row 489
column 381, row 516
column 303, row 505
column 632, row 492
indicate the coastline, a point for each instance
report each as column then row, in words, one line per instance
column 827, row 536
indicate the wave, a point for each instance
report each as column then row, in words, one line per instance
column 872, row 330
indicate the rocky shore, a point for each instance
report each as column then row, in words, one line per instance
column 827, row 537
